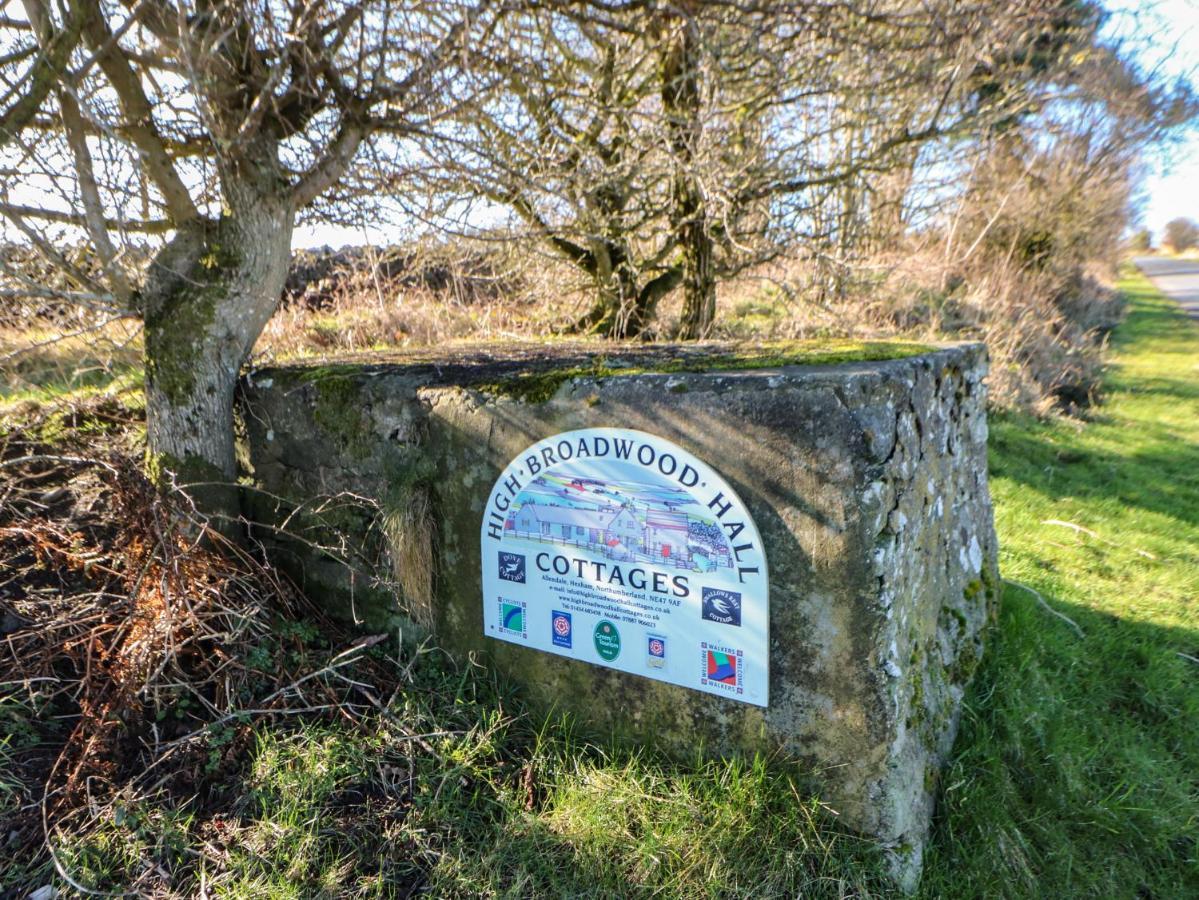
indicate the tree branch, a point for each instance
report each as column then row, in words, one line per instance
column 89, row 192
column 151, row 226
column 51, row 62
column 137, row 109
column 332, row 165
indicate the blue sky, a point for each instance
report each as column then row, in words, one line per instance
column 1169, row 33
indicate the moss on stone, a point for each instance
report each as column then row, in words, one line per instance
column 931, row 777
column 540, row 386
column 337, row 410
column 916, row 699
column 964, row 666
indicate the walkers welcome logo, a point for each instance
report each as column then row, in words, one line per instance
column 722, row 667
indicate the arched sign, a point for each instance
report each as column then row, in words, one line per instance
column 621, row 549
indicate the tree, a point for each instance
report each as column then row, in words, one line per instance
column 1141, row 241
column 191, row 135
column 1181, row 234
column 665, row 145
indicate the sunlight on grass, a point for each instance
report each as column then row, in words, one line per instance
column 43, row 364
column 1077, row 769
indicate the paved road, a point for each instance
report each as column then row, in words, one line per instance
column 1178, row 278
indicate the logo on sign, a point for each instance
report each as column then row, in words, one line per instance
column 607, row 641
column 512, row 617
column 722, row 606
column 655, row 651
column 512, row 567
column 721, row 667
column 561, row 634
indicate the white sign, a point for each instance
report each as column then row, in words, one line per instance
column 621, row 549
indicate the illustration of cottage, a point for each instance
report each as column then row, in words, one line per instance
column 615, row 529
column 666, row 534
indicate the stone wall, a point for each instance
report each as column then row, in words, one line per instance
column 867, row 481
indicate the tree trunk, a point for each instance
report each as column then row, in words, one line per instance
column 681, row 104
column 620, row 310
column 207, row 297
column 699, row 280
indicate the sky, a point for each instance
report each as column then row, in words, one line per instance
column 1166, row 34
column 1170, row 32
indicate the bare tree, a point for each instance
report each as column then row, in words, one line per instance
column 184, row 138
column 658, row 145
column 1181, row 234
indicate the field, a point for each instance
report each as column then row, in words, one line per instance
column 1075, row 774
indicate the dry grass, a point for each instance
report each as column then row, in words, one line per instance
column 138, row 646
column 1045, row 326
column 367, row 299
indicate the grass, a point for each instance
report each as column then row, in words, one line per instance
column 1075, row 774
column 44, row 364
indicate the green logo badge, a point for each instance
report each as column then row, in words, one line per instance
column 607, row 641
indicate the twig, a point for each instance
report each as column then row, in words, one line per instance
column 41, row 457
column 1047, row 607
column 1188, row 656
column 1089, row 533
column 343, row 658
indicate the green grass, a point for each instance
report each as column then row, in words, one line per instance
column 40, row 365
column 1076, row 771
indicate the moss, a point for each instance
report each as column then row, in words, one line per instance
column 916, row 700
column 931, row 777
column 337, row 411
column 207, row 486
column 187, row 470
column 972, row 590
column 538, row 387
column 406, row 471
column 992, row 592
column 177, row 328
column 964, row 666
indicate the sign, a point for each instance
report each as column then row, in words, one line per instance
column 621, row 549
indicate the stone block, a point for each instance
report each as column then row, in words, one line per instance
column 867, row 481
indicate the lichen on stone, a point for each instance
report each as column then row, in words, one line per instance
column 337, row 408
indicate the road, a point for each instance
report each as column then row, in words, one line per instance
column 1178, row 278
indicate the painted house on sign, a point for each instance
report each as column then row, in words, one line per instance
column 666, row 536
column 616, row 529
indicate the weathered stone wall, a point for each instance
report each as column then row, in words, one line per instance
column 868, row 484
